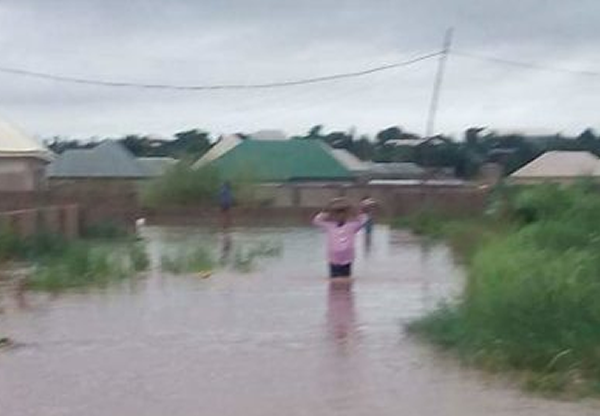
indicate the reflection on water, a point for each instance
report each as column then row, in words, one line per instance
column 226, row 245
column 341, row 315
column 277, row 340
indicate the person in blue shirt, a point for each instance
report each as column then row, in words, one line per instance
column 367, row 205
column 226, row 203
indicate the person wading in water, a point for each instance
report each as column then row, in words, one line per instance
column 225, row 204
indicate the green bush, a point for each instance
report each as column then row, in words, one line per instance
column 531, row 299
column 39, row 245
column 543, row 202
column 426, row 222
column 184, row 184
column 106, row 230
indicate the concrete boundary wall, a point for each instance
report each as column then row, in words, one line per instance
column 270, row 203
column 280, row 204
column 61, row 220
column 394, row 200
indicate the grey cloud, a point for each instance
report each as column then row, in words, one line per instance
column 196, row 42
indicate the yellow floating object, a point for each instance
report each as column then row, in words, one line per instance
column 205, row 274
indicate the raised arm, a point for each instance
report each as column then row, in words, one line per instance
column 321, row 219
column 360, row 221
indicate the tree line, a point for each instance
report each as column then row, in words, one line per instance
column 393, row 144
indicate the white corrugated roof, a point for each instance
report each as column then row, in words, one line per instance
column 224, row 145
column 15, row 143
column 349, row 161
column 561, row 164
column 268, row 135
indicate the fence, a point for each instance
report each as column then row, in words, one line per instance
column 271, row 203
column 394, row 199
column 276, row 204
column 96, row 204
column 61, row 220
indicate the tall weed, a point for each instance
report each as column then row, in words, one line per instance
column 531, row 299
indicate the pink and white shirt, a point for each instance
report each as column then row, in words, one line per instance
column 340, row 238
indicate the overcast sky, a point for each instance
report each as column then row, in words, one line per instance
column 245, row 41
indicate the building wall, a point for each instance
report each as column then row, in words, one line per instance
column 98, row 201
column 540, row 181
column 61, row 220
column 83, row 185
column 118, row 203
column 22, row 174
column 393, row 199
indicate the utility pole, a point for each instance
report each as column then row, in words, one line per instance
column 437, row 86
column 433, row 107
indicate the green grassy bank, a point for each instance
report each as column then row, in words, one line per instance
column 531, row 305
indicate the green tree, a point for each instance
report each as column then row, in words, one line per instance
column 190, row 144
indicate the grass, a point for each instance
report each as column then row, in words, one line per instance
column 427, row 223
column 463, row 235
column 196, row 260
column 530, row 305
column 86, row 264
column 244, row 258
column 59, row 264
column 106, row 230
column 201, row 260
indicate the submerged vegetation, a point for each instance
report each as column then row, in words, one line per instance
column 196, row 260
column 200, row 259
column 531, row 303
column 57, row 264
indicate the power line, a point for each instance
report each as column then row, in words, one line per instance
column 291, row 83
column 522, row 64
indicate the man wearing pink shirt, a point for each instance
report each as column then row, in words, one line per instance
column 341, row 227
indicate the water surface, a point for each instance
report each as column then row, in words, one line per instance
column 276, row 340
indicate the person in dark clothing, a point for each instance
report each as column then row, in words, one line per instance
column 226, row 203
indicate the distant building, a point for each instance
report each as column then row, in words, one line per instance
column 396, row 171
column 107, row 165
column 356, row 166
column 558, row 167
column 156, row 166
column 22, row 160
column 268, row 135
column 276, row 161
column 221, row 147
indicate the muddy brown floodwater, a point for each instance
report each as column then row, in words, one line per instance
column 274, row 341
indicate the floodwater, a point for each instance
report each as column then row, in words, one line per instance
column 277, row 340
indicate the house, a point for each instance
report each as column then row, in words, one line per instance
column 109, row 165
column 279, row 161
column 356, row 166
column 156, row 166
column 396, row 171
column 268, row 135
column 23, row 160
column 558, row 167
column 224, row 145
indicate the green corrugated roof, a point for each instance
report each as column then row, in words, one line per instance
column 282, row 161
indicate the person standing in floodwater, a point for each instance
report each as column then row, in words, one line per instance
column 367, row 205
column 341, row 224
column 226, row 203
